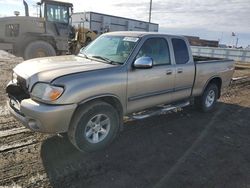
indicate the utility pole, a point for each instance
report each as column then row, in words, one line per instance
column 221, row 37
column 150, row 10
column 236, row 44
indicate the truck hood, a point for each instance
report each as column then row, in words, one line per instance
column 49, row 68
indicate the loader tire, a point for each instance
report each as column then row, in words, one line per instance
column 38, row 49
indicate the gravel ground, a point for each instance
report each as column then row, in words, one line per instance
column 184, row 149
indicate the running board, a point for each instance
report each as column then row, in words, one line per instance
column 162, row 109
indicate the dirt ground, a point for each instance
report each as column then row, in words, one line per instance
column 184, row 149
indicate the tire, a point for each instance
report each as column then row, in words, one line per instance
column 207, row 101
column 94, row 127
column 38, row 49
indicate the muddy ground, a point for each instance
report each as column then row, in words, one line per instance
column 184, row 149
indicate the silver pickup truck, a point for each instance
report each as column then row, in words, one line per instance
column 119, row 74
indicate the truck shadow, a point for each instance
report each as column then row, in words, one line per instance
column 141, row 155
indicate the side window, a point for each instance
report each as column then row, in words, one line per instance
column 180, row 51
column 157, row 49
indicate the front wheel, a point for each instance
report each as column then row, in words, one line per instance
column 94, row 127
column 208, row 99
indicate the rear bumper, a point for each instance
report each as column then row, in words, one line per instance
column 42, row 117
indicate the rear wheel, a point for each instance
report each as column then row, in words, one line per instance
column 39, row 49
column 94, row 127
column 208, row 99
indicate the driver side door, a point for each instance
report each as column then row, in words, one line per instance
column 154, row 86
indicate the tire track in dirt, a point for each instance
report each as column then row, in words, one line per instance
column 14, row 131
column 4, row 110
column 164, row 180
column 8, row 147
column 8, row 122
column 228, row 97
column 20, row 161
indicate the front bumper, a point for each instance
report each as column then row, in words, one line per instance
column 42, row 117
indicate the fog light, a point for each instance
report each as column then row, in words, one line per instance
column 33, row 124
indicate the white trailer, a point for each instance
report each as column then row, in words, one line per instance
column 101, row 23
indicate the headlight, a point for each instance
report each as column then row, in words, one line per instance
column 46, row 92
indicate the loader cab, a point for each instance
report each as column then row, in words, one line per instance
column 56, row 11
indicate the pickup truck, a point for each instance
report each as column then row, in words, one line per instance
column 135, row 74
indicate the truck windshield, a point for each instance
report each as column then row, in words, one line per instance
column 110, row 49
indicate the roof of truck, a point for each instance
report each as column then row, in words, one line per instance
column 140, row 34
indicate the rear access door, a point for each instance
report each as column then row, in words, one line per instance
column 184, row 68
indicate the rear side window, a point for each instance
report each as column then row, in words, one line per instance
column 180, row 51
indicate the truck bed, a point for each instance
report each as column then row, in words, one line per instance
column 210, row 67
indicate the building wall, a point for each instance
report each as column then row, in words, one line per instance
column 104, row 23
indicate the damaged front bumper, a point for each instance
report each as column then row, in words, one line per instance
column 42, row 117
column 38, row 116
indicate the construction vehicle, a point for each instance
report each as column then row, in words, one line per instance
column 82, row 37
column 49, row 34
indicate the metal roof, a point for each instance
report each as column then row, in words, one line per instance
column 58, row 2
column 102, row 14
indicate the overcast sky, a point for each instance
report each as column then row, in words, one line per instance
column 209, row 19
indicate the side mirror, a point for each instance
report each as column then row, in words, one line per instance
column 143, row 63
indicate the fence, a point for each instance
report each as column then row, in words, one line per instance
column 242, row 55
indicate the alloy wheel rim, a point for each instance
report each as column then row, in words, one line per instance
column 97, row 128
column 210, row 98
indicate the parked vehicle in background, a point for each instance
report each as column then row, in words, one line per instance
column 119, row 74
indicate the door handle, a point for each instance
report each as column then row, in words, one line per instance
column 179, row 71
column 169, row 72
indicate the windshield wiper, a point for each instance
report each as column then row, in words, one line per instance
column 84, row 55
column 105, row 59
